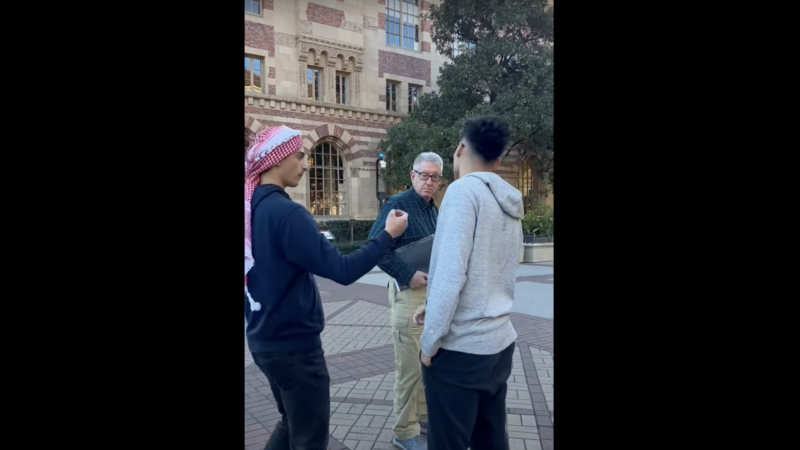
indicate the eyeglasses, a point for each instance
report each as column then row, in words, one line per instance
column 424, row 176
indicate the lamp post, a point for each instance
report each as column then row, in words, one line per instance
column 380, row 163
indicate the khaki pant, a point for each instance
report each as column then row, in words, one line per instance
column 410, row 406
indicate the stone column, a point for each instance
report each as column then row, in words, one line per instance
column 330, row 74
column 356, row 88
column 402, row 104
column 302, row 88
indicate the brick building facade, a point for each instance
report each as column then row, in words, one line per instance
column 342, row 72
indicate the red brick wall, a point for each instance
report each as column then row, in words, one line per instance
column 258, row 35
column 426, row 6
column 268, row 4
column 271, row 72
column 382, row 2
column 426, row 25
column 271, row 89
column 324, row 15
column 426, row 47
column 403, row 65
column 381, row 21
column 382, row 98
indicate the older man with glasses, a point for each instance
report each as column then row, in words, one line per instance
column 410, row 407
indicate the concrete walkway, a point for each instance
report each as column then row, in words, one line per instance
column 360, row 358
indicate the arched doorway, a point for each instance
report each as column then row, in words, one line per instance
column 327, row 187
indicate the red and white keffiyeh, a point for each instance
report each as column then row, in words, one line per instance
column 269, row 148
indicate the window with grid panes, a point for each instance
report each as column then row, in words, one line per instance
column 327, row 193
column 402, row 23
column 391, row 96
column 252, row 6
column 253, row 73
column 460, row 47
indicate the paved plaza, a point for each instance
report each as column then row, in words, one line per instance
column 358, row 350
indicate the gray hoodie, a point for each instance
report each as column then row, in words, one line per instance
column 473, row 267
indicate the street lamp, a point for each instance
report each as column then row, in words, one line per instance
column 380, row 163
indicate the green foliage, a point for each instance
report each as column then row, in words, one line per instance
column 406, row 142
column 509, row 73
column 341, row 229
column 538, row 221
column 346, row 248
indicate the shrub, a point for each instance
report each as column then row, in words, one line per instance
column 346, row 248
column 341, row 229
column 538, row 221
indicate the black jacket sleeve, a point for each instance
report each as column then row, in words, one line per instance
column 306, row 247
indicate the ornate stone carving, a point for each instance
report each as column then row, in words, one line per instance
column 333, row 44
column 352, row 26
column 318, row 50
column 370, row 23
column 331, row 97
column 354, row 171
column 287, row 40
column 333, row 49
column 305, row 26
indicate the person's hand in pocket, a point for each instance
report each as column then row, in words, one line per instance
column 425, row 359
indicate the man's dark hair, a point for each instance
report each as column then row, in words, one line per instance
column 488, row 136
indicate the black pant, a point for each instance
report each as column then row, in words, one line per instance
column 467, row 400
column 301, row 385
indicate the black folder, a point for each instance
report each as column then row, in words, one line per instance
column 417, row 255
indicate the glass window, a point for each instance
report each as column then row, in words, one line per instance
column 253, row 74
column 391, row 96
column 252, row 6
column 327, row 193
column 341, row 89
column 460, row 47
column 528, row 185
column 314, row 82
column 413, row 96
column 402, row 23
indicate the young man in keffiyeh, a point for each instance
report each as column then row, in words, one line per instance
column 283, row 250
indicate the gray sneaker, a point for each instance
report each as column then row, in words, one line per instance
column 416, row 443
column 423, row 427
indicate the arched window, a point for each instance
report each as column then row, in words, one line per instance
column 327, row 190
column 528, row 185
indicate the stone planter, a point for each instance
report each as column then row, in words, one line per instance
column 534, row 253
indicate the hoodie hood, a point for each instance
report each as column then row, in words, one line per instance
column 508, row 197
column 265, row 190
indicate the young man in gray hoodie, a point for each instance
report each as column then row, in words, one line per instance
column 468, row 340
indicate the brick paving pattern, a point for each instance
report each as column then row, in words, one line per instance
column 360, row 359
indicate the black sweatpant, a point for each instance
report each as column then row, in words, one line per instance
column 467, row 400
column 301, row 385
